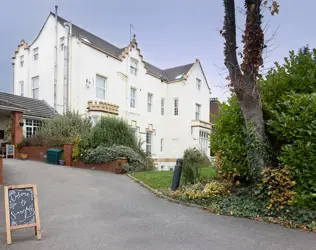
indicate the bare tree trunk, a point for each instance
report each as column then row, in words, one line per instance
column 244, row 77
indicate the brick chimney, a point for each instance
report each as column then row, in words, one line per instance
column 214, row 108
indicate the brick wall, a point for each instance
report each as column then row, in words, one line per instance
column 1, row 171
column 34, row 153
column 113, row 167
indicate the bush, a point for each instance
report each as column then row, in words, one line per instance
column 228, row 139
column 103, row 154
column 277, row 187
column 193, row 161
column 63, row 129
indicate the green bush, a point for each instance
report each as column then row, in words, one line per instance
column 103, row 154
column 229, row 139
column 63, row 129
column 193, row 161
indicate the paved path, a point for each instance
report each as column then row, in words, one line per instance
column 86, row 209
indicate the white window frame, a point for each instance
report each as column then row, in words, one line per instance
column 198, row 84
column 94, row 119
column 35, row 89
column 132, row 102
column 62, row 43
column 21, row 61
column 162, row 103
column 204, row 140
column 35, row 54
column 176, row 106
column 197, row 111
column 149, row 102
column 30, row 127
column 135, row 131
column 100, row 88
column 134, row 66
column 161, row 144
column 149, row 139
column 22, row 88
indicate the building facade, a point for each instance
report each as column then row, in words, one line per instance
column 72, row 69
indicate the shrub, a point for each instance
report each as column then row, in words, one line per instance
column 228, row 138
column 193, row 161
column 63, row 129
column 277, row 187
column 103, row 154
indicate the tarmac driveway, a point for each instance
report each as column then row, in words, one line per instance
column 86, row 209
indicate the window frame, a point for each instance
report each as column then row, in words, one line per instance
column 162, row 106
column 30, row 127
column 133, row 68
column 149, row 102
column 35, row 54
column 62, row 43
column 21, row 83
column 197, row 111
column 132, row 99
column 149, row 142
column 204, row 140
column 35, row 88
column 198, row 84
column 161, row 144
column 176, row 106
column 100, row 88
column 21, row 61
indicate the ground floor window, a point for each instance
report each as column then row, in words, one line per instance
column 148, row 141
column 30, row 127
column 203, row 140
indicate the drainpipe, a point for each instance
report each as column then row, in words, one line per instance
column 66, row 67
column 56, row 59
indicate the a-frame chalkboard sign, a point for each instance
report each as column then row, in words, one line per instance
column 21, row 209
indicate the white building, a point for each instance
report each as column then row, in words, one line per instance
column 70, row 68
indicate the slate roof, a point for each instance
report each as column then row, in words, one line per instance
column 32, row 107
column 164, row 74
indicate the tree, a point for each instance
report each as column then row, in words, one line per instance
column 244, row 77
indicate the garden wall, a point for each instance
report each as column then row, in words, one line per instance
column 35, row 153
column 113, row 167
column 1, row 171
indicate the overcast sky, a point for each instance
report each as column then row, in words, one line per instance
column 169, row 32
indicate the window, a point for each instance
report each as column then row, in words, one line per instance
column 22, row 88
column 197, row 111
column 31, row 127
column 198, row 84
column 134, row 130
column 203, row 140
column 62, row 44
column 133, row 98
column 176, row 106
column 162, row 106
column 1, row 134
column 35, row 87
column 148, row 141
column 35, row 54
column 149, row 102
column 100, row 87
column 161, row 144
column 134, row 66
column 94, row 120
column 21, row 61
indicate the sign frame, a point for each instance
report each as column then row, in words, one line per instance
column 7, row 150
column 36, row 225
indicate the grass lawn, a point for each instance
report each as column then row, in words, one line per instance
column 162, row 179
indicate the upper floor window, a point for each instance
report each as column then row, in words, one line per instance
column 198, row 84
column 62, row 43
column 35, row 87
column 100, row 87
column 162, row 106
column 149, row 102
column 35, row 54
column 134, row 66
column 21, row 61
column 30, row 127
column 148, row 141
column 176, row 106
column 197, row 111
column 161, row 144
column 133, row 98
column 22, row 88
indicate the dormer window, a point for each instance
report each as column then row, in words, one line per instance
column 134, row 66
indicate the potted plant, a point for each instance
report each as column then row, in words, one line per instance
column 23, row 156
column 62, row 159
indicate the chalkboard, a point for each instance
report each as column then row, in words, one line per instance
column 21, row 208
column 10, row 150
column 21, row 204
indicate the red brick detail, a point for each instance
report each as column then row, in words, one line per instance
column 113, row 167
column 17, row 129
column 1, row 171
column 68, row 154
column 214, row 109
column 34, row 153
